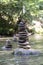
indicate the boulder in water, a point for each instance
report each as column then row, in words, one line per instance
column 21, row 51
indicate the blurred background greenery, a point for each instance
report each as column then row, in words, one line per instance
column 10, row 10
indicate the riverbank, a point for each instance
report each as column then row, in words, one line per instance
column 5, row 38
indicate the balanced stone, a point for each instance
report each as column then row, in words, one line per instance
column 23, row 36
column 23, row 44
column 15, row 38
column 21, row 26
column 8, row 45
column 29, row 51
column 24, row 49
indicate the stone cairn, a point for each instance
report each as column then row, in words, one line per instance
column 22, row 53
column 8, row 45
column 23, row 44
column 23, row 36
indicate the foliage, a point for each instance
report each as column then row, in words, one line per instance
column 10, row 10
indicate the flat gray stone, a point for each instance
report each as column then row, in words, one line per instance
column 4, row 48
column 21, row 51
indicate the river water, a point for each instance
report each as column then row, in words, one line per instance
column 36, row 42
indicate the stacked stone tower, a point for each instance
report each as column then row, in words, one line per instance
column 23, row 36
column 22, row 53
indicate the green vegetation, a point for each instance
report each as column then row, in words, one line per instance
column 10, row 10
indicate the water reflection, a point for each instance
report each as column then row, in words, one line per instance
column 21, row 60
column 27, row 60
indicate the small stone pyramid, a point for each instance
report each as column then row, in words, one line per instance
column 8, row 45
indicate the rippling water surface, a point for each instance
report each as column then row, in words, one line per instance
column 8, row 59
